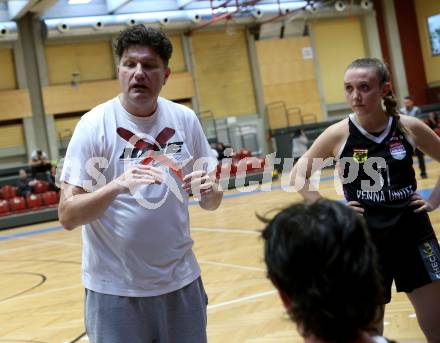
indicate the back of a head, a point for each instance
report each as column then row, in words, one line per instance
column 141, row 35
column 321, row 257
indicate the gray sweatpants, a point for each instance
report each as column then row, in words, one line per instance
column 178, row 317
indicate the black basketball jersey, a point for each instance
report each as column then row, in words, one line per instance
column 385, row 180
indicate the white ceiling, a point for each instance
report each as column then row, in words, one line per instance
column 12, row 10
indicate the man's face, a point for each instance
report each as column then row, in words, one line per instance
column 408, row 103
column 141, row 74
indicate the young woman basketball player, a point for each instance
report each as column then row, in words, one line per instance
column 378, row 144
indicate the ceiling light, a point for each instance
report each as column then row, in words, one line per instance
column 340, row 6
column 366, row 4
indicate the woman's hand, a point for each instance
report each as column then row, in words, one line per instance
column 356, row 206
column 421, row 204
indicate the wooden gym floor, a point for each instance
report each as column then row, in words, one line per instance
column 41, row 296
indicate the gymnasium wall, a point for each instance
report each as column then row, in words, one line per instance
column 424, row 9
column 7, row 69
column 14, row 103
column 338, row 42
column 177, row 62
column 11, row 135
column 288, row 76
column 222, row 73
column 92, row 60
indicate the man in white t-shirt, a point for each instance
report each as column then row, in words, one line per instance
column 414, row 111
column 39, row 164
column 129, row 169
column 409, row 108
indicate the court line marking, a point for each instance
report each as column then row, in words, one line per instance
column 60, row 289
column 30, row 233
column 27, row 247
column 242, row 299
column 55, row 241
column 230, row 265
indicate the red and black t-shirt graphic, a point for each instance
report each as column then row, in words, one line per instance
column 158, row 151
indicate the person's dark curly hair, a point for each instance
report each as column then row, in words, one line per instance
column 320, row 256
column 145, row 36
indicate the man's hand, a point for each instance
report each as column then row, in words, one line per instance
column 198, row 183
column 136, row 176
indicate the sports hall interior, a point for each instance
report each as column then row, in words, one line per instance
column 254, row 71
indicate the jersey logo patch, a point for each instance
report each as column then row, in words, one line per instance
column 397, row 150
column 360, row 155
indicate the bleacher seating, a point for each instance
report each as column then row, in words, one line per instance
column 4, row 207
column 39, row 206
column 17, row 204
column 50, row 198
column 8, row 192
column 40, row 187
column 34, row 201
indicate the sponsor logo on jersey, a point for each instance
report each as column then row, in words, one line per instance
column 158, row 152
column 430, row 252
column 172, row 148
column 360, row 155
column 397, row 150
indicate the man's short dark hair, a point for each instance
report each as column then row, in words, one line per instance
column 321, row 257
column 145, row 36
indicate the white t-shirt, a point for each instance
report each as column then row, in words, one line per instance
column 299, row 145
column 141, row 245
column 34, row 155
column 415, row 111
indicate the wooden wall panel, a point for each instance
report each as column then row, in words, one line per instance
column 223, row 73
column 286, row 76
column 179, row 86
column 66, row 99
column 338, row 43
column 11, row 136
column 177, row 61
column 7, row 69
column 64, row 126
column 93, row 60
column 15, row 104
